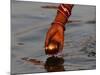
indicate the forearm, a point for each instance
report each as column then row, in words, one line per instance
column 63, row 13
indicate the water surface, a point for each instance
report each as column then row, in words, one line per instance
column 29, row 25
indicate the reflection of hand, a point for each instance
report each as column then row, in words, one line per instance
column 56, row 33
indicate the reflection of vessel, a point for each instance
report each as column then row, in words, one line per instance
column 53, row 48
column 54, row 64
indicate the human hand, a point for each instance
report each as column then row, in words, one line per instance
column 55, row 33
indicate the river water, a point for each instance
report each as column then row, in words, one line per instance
column 29, row 24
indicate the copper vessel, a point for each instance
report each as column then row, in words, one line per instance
column 53, row 48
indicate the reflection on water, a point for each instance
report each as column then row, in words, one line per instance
column 52, row 64
column 29, row 24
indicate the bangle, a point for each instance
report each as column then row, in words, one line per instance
column 60, row 24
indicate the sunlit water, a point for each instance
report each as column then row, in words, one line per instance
column 29, row 25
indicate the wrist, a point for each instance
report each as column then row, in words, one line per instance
column 59, row 24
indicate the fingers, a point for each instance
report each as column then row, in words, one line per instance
column 59, row 37
column 62, row 41
column 61, row 45
column 51, row 32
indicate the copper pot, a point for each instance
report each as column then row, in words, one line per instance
column 53, row 48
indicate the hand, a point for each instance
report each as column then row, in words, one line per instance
column 56, row 33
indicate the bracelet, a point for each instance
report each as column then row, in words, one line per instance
column 59, row 23
column 64, row 11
